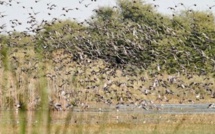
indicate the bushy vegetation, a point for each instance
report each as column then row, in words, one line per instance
column 136, row 34
column 132, row 37
column 132, row 34
column 122, row 55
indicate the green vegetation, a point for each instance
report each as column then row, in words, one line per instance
column 91, row 123
column 132, row 34
column 131, row 43
column 122, row 54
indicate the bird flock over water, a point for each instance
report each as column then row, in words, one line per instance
column 106, row 60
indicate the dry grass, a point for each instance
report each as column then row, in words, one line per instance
column 32, row 80
column 87, row 79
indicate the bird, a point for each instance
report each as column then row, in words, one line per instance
column 211, row 105
column 58, row 107
column 118, row 52
column 18, row 106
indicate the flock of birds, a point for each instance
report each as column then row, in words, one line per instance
column 32, row 24
column 88, row 82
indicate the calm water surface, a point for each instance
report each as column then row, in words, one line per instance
column 131, row 114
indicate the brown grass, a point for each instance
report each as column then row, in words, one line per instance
column 22, row 81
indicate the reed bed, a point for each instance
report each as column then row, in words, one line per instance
column 38, row 83
column 126, row 55
column 67, row 122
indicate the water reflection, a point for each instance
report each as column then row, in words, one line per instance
column 124, row 114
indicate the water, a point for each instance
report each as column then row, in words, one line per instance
column 124, row 114
column 186, row 109
column 163, row 109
